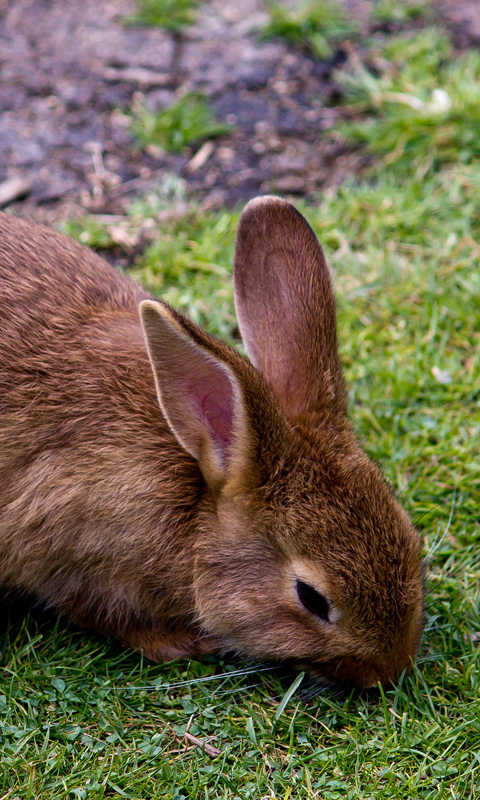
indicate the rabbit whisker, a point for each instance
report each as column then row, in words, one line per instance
column 433, row 549
column 193, row 681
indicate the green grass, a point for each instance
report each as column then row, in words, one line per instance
column 316, row 25
column 422, row 110
column 82, row 718
column 186, row 122
column 89, row 232
column 399, row 11
column 188, row 265
column 172, row 15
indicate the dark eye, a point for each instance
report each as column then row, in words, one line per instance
column 312, row 600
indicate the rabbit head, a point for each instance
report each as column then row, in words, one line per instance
column 304, row 554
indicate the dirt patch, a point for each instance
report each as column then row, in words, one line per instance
column 70, row 73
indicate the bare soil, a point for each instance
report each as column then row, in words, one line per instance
column 71, row 72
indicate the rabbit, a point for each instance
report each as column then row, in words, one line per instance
column 158, row 487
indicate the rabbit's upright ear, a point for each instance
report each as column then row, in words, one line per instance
column 197, row 391
column 286, row 308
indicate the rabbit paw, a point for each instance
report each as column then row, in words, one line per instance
column 158, row 646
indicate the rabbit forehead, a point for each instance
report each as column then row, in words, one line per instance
column 314, row 506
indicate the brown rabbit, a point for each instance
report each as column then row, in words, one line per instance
column 216, row 504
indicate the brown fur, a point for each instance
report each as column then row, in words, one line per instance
column 184, row 532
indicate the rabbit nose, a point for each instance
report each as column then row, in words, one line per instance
column 362, row 674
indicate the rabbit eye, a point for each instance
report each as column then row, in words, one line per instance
column 314, row 602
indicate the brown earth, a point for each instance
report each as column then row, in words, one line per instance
column 70, row 72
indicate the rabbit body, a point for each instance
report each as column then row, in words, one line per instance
column 158, row 487
column 90, row 471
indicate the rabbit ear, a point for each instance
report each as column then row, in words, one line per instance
column 197, row 391
column 286, row 308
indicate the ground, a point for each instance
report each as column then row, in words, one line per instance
column 71, row 73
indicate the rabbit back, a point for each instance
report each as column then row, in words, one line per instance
column 93, row 484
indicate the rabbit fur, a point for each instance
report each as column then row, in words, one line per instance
column 158, row 487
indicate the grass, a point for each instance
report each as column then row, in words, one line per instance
column 187, row 265
column 172, row 15
column 82, row 718
column 186, row 122
column 89, row 232
column 388, row 12
column 316, row 25
column 422, row 110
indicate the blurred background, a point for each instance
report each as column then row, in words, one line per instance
column 101, row 101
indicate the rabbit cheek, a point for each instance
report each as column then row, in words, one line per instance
column 245, row 606
column 235, row 594
column 232, row 602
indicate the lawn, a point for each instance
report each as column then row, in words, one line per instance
column 83, row 718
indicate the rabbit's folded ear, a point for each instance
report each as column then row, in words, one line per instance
column 198, row 392
column 286, row 308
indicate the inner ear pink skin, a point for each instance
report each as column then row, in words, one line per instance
column 215, row 406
